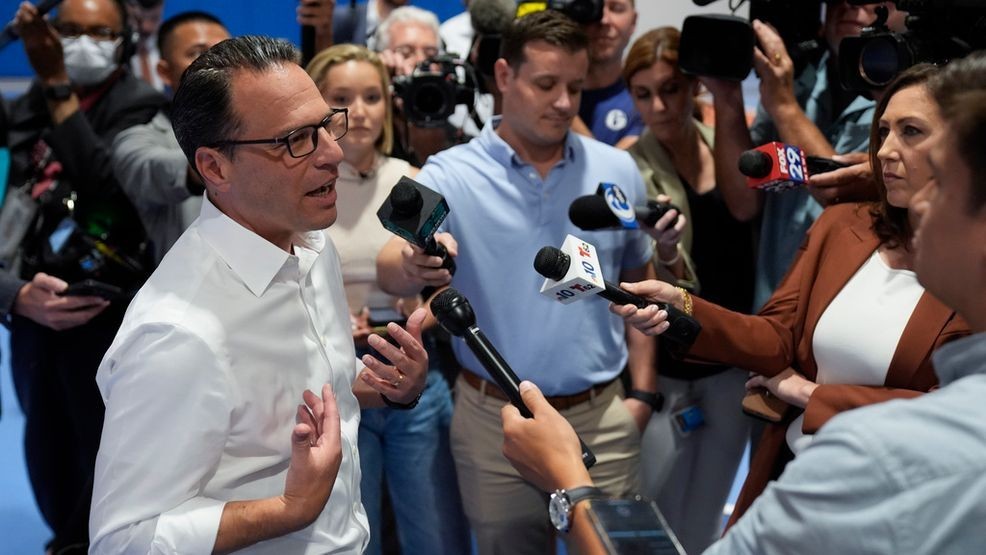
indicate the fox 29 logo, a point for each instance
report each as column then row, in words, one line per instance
column 794, row 159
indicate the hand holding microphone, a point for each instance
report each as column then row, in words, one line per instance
column 852, row 181
column 414, row 212
column 649, row 319
column 455, row 314
column 573, row 272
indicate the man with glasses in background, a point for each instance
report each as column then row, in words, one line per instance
column 72, row 222
column 205, row 446
column 405, row 39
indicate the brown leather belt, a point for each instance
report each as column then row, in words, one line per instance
column 560, row 402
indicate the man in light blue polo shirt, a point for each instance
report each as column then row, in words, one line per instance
column 509, row 191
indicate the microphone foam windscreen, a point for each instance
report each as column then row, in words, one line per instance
column 490, row 17
column 591, row 212
column 444, row 302
column 551, row 263
column 754, row 163
column 405, row 199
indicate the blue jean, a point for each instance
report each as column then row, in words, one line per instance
column 411, row 448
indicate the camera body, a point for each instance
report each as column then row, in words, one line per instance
column 433, row 90
column 580, row 11
column 936, row 33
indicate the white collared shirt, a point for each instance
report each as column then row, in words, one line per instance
column 201, row 387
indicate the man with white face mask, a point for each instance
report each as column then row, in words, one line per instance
column 76, row 224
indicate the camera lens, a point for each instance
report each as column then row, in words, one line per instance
column 431, row 100
column 879, row 61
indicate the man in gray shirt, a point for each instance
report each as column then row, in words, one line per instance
column 147, row 160
column 896, row 477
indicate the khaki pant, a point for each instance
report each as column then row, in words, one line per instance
column 509, row 515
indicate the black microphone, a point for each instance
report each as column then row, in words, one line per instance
column 414, row 212
column 817, row 165
column 592, row 212
column 9, row 35
column 554, row 264
column 455, row 314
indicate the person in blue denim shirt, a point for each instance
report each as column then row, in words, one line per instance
column 811, row 111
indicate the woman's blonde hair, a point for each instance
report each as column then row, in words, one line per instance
column 320, row 65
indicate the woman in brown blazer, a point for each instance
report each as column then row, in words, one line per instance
column 853, row 254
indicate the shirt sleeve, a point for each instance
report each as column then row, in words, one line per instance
column 168, row 406
column 10, row 286
column 151, row 172
column 838, row 496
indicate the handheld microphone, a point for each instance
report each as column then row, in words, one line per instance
column 592, row 212
column 489, row 19
column 414, row 212
column 777, row 166
column 567, row 282
column 9, row 35
column 455, row 314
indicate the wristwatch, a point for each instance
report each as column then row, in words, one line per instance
column 58, row 91
column 563, row 502
column 655, row 400
column 402, row 406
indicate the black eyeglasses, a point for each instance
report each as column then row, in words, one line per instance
column 304, row 140
column 71, row 30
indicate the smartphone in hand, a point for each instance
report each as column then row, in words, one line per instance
column 93, row 288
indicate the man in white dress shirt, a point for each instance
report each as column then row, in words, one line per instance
column 205, row 447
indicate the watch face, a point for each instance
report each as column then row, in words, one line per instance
column 559, row 508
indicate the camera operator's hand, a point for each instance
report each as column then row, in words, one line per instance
column 42, row 45
column 853, row 183
column 775, row 68
column 397, row 63
column 544, row 449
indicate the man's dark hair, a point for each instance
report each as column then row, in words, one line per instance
column 146, row 4
column 960, row 91
column 172, row 23
column 549, row 26
column 202, row 111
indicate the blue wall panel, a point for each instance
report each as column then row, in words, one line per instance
column 269, row 17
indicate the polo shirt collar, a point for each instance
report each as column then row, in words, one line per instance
column 252, row 258
column 505, row 154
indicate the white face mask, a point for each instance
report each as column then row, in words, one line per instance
column 89, row 61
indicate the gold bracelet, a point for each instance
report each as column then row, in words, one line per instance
column 686, row 301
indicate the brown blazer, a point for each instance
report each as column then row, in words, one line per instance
column 780, row 336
